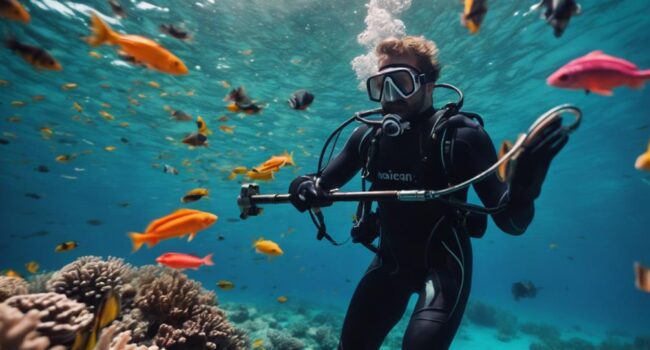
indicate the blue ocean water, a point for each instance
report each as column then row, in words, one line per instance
column 593, row 210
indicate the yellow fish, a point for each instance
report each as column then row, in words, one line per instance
column 46, row 133
column 64, row 158
column 257, row 343
column 474, row 14
column 643, row 161
column 154, row 84
column 276, row 162
column 282, row 299
column 225, row 285
column 32, row 267
column 18, row 103
column 106, row 115
column 108, row 310
column 12, row 273
column 203, row 128
column 110, row 148
column 267, row 247
column 94, row 54
column 65, row 246
column 77, row 106
column 177, row 224
column 194, row 195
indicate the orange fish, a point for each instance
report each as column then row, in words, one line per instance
column 225, row 285
column 256, row 175
column 643, row 161
column 177, row 224
column 227, row 129
column 642, row 277
column 264, row 246
column 276, row 162
column 184, row 261
column 282, row 299
column 142, row 49
column 13, row 10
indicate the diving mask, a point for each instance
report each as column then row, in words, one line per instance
column 394, row 83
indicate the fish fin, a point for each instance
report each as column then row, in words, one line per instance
column 603, row 92
column 102, row 32
column 636, row 84
column 137, row 239
column 80, row 340
column 192, row 234
column 109, row 309
column 643, row 74
column 208, row 260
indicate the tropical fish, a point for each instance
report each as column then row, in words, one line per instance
column 282, row 299
column 301, row 99
column 77, row 107
column 203, row 128
column 267, row 247
column 181, row 116
column 177, row 224
column 33, row 195
column 39, row 58
column 225, row 285
column 558, row 13
column 108, row 310
column 599, row 73
column 503, row 171
column 194, row 195
column 643, row 161
column 12, row 9
column 642, row 277
column 117, row 8
column 276, row 162
column 144, row 50
column 32, row 267
column 195, row 139
column 69, row 86
column 257, row 343
column 524, row 290
column 168, row 169
column 94, row 222
column 241, row 101
column 110, row 148
column 256, row 175
column 12, row 273
column 227, row 129
column 473, row 15
column 184, row 261
column 65, row 246
column 42, row 169
column 174, row 31
column 46, row 132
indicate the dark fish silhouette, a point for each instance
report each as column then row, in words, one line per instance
column 524, row 290
column 301, row 99
column 174, row 31
column 558, row 13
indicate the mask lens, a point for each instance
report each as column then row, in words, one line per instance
column 374, row 85
column 403, row 80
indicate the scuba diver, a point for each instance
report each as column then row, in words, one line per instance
column 424, row 247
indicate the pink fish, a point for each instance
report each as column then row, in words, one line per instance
column 599, row 73
column 184, row 261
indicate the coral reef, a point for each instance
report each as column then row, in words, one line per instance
column 109, row 341
column 10, row 286
column 482, row 314
column 38, row 282
column 326, row 338
column 18, row 330
column 89, row 278
column 283, row 341
column 59, row 317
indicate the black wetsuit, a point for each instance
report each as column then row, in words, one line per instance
column 421, row 249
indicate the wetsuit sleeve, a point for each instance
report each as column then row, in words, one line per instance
column 347, row 163
column 472, row 153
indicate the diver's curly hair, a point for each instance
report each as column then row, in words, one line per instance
column 424, row 50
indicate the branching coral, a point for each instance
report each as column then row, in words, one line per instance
column 59, row 317
column 18, row 330
column 89, row 278
column 283, row 341
column 171, row 298
column 207, row 329
column 10, row 286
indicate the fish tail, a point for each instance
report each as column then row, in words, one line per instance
column 137, row 239
column 102, row 33
column 208, row 260
column 644, row 74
